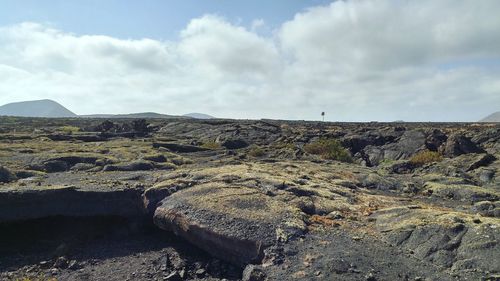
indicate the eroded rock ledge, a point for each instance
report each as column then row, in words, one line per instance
column 233, row 223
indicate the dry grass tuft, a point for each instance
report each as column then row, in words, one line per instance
column 425, row 157
column 329, row 149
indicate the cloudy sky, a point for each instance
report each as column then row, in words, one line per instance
column 434, row 60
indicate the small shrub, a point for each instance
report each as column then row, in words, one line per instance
column 425, row 157
column 329, row 149
column 211, row 145
column 256, row 151
column 69, row 129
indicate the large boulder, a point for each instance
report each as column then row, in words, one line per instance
column 234, row 144
column 408, row 144
column 6, row 175
column 232, row 223
column 435, row 139
column 458, row 144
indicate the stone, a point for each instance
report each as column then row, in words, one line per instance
column 61, row 262
column 458, row 144
column 132, row 166
column 486, row 175
column 6, row 175
column 339, row 266
column 175, row 147
column 174, row 276
column 483, row 160
column 235, row 144
column 53, row 166
column 73, row 265
column 232, row 223
column 253, row 273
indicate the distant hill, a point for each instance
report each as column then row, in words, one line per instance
column 495, row 117
column 52, row 109
column 37, row 108
column 199, row 115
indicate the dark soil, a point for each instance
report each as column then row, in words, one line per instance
column 102, row 248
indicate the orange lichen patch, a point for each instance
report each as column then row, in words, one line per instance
column 324, row 242
column 309, row 259
column 299, row 274
column 369, row 203
column 347, row 175
column 322, row 220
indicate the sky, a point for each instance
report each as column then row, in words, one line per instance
column 378, row 60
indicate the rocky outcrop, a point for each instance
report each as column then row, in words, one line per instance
column 6, row 175
column 39, row 202
column 450, row 240
column 460, row 192
column 408, row 144
column 175, row 147
column 233, row 223
column 132, row 166
column 234, row 144
column 65, row 163
column 458, row 144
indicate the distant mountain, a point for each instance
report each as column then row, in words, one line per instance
column 52, row 109
column 146, row 115
column 36, row 108
column 495, row 117
column 199, row 115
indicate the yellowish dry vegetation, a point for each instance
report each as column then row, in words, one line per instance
column 426, row 157
column 329, row 149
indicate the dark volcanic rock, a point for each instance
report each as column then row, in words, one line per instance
column 445, row 240
column 461, row 192
column 235, row 224
column 62, row 163
column 6, row 175
column 78, row 137
column 175, row 147
column 482, row 161
column 133, row 166
column 458, row 144
column 235, row 144
column 410, row 142
column 253, row 273
column 487, row 208
column 156, row 158
column 22, row 204
column 435, row 139
column 53, row 166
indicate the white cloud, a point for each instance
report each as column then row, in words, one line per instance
column 213, row 44
column 356, row 60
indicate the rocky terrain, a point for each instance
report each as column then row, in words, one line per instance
column 186, row 199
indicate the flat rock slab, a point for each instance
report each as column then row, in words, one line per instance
column 233, row 223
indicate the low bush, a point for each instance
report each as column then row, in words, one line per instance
column 329, row 149
column 211, row 145
column 69, row 129
column 425, row 157
column 256, row 151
